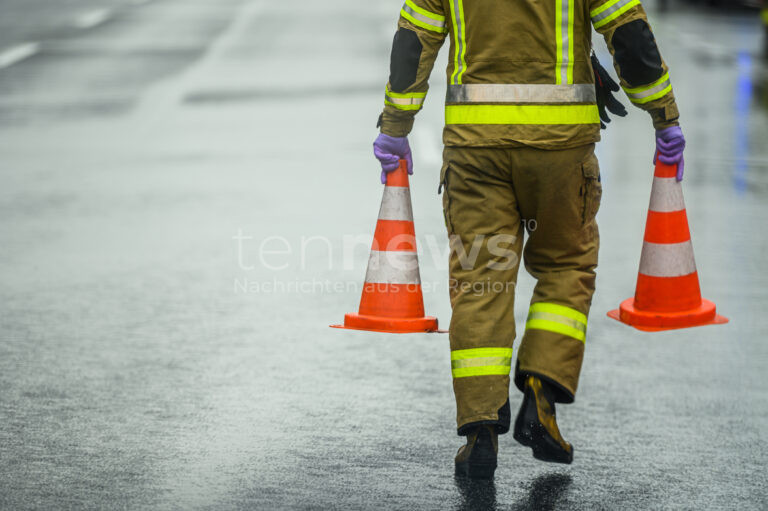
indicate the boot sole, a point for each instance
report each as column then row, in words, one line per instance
column 535, row 436
column 475, row 470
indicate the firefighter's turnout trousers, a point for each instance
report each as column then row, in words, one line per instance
column 492, row 198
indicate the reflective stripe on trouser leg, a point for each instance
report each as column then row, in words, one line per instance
column 482, row 282
column 553, row 346
column 481, row 362
column 561, row 191
column 559, row 319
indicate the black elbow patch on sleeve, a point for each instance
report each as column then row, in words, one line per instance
column 404, row 64
column 636, row 53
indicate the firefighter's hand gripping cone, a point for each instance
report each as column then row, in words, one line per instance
column 667, row 294
column 392, row 300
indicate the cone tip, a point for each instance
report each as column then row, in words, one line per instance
column 399, row 176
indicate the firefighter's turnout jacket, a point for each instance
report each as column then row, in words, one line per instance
column 519, row 73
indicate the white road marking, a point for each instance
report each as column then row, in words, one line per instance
column 17, row 53
column 92, row 18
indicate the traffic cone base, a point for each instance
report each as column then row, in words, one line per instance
column 392, row 299
column 648, row 321
column 354, row 321
column 667, row 295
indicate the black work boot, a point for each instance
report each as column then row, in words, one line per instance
column 477, row 459
column 536, row 427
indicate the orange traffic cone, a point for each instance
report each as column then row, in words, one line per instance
column 667, row 294
column 392, row 300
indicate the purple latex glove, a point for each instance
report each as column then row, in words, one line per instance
column 670, row 143
column 389, row 151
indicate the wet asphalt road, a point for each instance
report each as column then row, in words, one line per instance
column 150, row 360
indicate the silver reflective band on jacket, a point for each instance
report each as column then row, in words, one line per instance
column 521, row 93
column 403, row 101
column 564, row 36
column 611, row 10
column 417, row 16
column 647, row 93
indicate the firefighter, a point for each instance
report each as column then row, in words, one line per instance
column 523, row 111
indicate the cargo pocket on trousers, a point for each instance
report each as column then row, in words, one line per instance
column 443, row 188
column 591, row 189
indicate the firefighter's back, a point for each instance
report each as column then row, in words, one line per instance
column 519, row 74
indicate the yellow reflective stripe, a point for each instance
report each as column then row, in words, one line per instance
column 480, row 352
column 764, row 15
column 646, row 93
column 610, row 11
column 658, row 95
column 570, row 40
column 521, row 114
column 456, row 44
column 564, row 13
column 434, row 26
column 460, row 41
column 404, row 100
column 424, row 12
column 481, row 362
column 607, row 5
column 643, row 88
column 559, row 41
column 558, row 319
column 481, row 371
column 560, row 310
column 548, row 316
column 553, row 326
column 405, row 95
column 464, row 43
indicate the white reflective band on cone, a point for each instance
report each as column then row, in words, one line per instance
column 667, row 259
column 521, row 93
column 666, row 195
column 393, row 267
column 396, row 204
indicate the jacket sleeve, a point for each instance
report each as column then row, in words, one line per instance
column 643, row 73
column 421, row 31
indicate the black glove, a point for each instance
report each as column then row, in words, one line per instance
column 604, row 88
